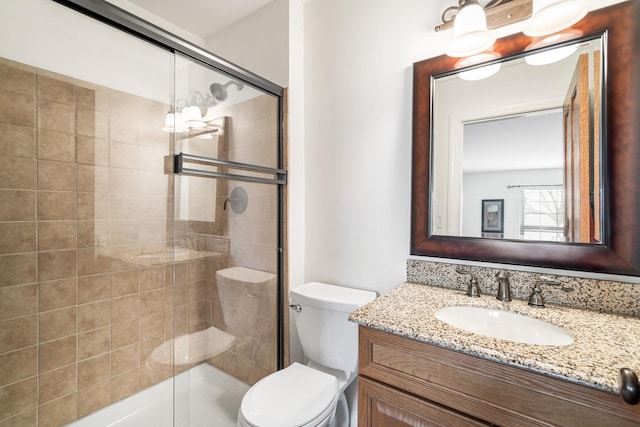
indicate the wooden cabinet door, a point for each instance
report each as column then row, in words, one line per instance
column 382, row 406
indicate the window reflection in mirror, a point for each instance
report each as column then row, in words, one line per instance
column 529, row 135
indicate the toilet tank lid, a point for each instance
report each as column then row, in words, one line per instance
column 331, row 297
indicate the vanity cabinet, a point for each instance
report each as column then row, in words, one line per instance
column 404, row 382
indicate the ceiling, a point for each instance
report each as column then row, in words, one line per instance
column 201, row 17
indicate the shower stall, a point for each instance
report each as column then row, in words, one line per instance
column 141, row 223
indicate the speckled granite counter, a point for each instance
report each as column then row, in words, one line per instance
column 603, row 343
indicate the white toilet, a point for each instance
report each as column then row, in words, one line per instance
column 312, row 395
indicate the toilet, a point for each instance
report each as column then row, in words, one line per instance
column 312, row 395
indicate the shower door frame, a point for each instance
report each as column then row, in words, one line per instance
column 131, row 24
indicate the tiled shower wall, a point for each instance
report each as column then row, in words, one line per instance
column 245, row 309
column 82, row 193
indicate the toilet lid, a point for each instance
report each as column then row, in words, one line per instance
column 291, row 397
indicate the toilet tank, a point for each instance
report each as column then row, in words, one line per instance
column 327, row 337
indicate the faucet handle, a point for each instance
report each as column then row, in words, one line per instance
column 473, row 289
column 535, row 299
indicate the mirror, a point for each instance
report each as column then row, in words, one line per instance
column 512, row 139
column 612, row 244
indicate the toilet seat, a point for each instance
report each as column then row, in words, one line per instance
column 297, row 396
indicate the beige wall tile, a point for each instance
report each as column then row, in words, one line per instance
column 92, row 398
column 18, row 365
column 56, row 116
column 58, row 353
column 94, row 288
column 93, row 316
column 94, row 343
column 17, row 108
column 92, row 151
column 151, row 325
column 124, row 129
column 125, row 333
column 125, row 282
column 56, row 146
column 124, row 232
column 17, row 205
column 92, row 261
column 93, row 206
column 17, row 141
column 85, row 96
column 18, row 301
column 94, row 370
column 17, row 397
column 125, row 181
column 55, row 89
column 17, row 269
column 17, row 237
column 56, row 205
column 91, row 123
column 17, row 77
column 93, row 234
column 24, row 419
column 57, row 324
column 56, row 265
column 56, row 383
column 151, row 278
column 57, row 294
column 56, row 176
column 125, row 206
column 18, row 173
column 56, row 235
column 151, row 302
column 152, row 231
column 18, row 333
column 92, row 179
column 57, row 412
column 125, row 385
column 125, row 359
column 125, row 308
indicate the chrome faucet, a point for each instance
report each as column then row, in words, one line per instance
column 504, row 287
column 473, row 289
column 535, row 299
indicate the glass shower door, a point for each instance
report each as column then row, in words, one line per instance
column 227, row 222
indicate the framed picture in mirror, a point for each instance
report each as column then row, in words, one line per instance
column 493, row 216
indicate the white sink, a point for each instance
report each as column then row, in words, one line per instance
column 504, row 325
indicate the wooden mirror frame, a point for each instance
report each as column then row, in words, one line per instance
column 620, row 253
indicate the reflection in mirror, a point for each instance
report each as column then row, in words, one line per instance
column 528, row 135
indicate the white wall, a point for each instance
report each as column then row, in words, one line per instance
column 259, row 42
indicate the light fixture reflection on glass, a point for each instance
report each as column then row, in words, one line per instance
column 551, row 16
column 173, row 122
column 470, row 34
column 552, row 55
column 478, row 73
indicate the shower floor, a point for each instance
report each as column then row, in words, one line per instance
column 204, row 397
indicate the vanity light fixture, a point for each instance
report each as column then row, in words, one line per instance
column 472, row 21
column 470, row 33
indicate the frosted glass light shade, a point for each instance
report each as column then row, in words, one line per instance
column 551, row 16
column 193, row 117
column 173, row 123
column 470, row 34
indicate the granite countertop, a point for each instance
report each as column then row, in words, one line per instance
column 603, row 343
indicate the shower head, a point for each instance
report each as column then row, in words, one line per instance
column 219, row 91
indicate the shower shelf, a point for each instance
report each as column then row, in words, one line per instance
column 279, row 176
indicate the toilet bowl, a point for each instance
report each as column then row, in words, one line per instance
column 312, row 395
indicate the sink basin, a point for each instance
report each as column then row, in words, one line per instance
column 504, row 325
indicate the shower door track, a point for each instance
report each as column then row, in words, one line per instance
column 279, row 175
